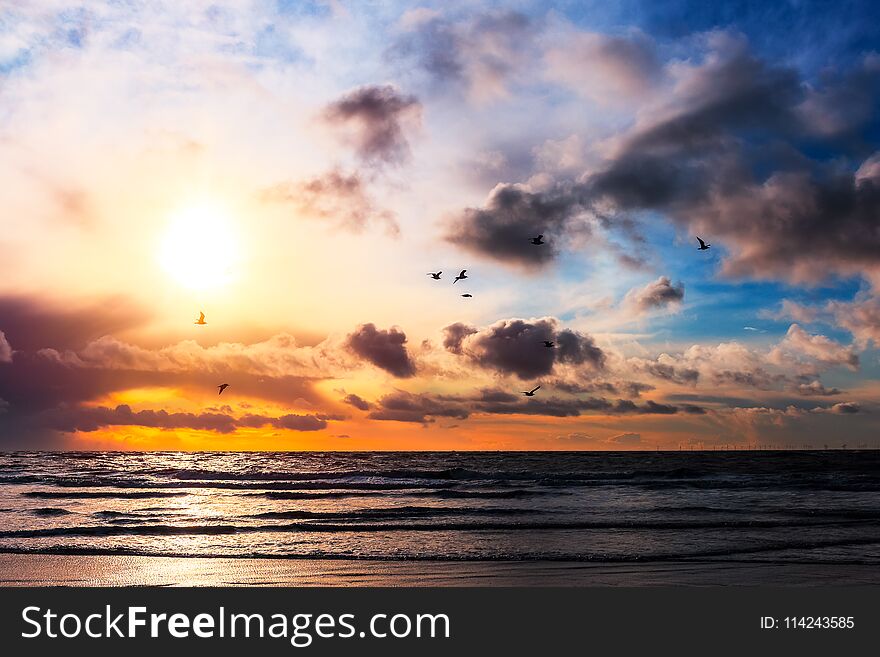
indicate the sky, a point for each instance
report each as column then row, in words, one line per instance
column 294, row 170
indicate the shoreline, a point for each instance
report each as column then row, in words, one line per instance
column 115, row 571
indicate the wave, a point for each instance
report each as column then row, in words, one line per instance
column 706, row 556
column 209, row 530
column 394, row 512
column 131, row 495
column 50, row 511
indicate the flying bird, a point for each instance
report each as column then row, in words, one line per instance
column 537, row 240
column 201, row 321
column 222, row 387
column 435, row 276
column 703, row 246
column 549, row 343
column 467, row 295
column 531, row 393
column 460, row 277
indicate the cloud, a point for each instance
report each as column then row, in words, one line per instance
column 337, row 197
column 87, row 419
column 657, row 294
column 628, row 388
column 841, row 408
column 861, row 318
column 356, row 401
column 374, row 118
column 422, row 408
column 401, row 406
column 290, row 421
column 501, row 229
column 454, row 335
column 696, row 159
column 718, row 154
column 386, row 349
column 819, row 347
column 5, row 349
column 514, row 346
column 626, row 439
column 815, row 389
column 479, row 55
column 607, row 69
column 31, row 323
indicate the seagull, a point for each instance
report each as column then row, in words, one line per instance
column 531, row 393
column 222, row 387
column 548, row 343
column 436, row 276
column 460, row 277
column 201, row 321
column 703, row 246
column 467, row 295
column 537, row 240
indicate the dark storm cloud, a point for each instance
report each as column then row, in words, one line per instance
column 337, row 197
column 63, row 360
column 728, row 153
column 511, row 215
column 656, row 294
column 385, row 349
column 32, row 324
column 290, row 421
column 454, row 334
column 356, row 401
column 669, row 371
column 425, row 407
column 403, row 406
column 627, row 388
column 375, row 118
column 93, row 418
column 514, row 346
column 717, row 164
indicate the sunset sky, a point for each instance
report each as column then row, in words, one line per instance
column 295, row 169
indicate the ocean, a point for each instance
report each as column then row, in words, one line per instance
column 816, row 507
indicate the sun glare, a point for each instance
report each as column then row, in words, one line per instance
column 200, row 248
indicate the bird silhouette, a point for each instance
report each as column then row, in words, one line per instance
column 460, row 277
column 537, row 240
column 435, row 276
column 467, row 295
column 549, row 343
column 703, row 246
column 222, row 387
column 201, row 321
column 531, row 393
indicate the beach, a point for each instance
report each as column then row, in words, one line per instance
column 101, row 570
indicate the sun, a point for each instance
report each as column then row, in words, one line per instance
column 200, row 249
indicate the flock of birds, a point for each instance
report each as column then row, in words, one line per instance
column 462, row 275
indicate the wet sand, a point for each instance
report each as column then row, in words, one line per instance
column 67, row 570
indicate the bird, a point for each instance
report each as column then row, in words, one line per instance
column 549, row 343
column 222, row 387
column 703, row 246
column 467, row 295
column 460, row 277
column 537, row 240
column 201, row 321
column 531, row 393
column 435, row 276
